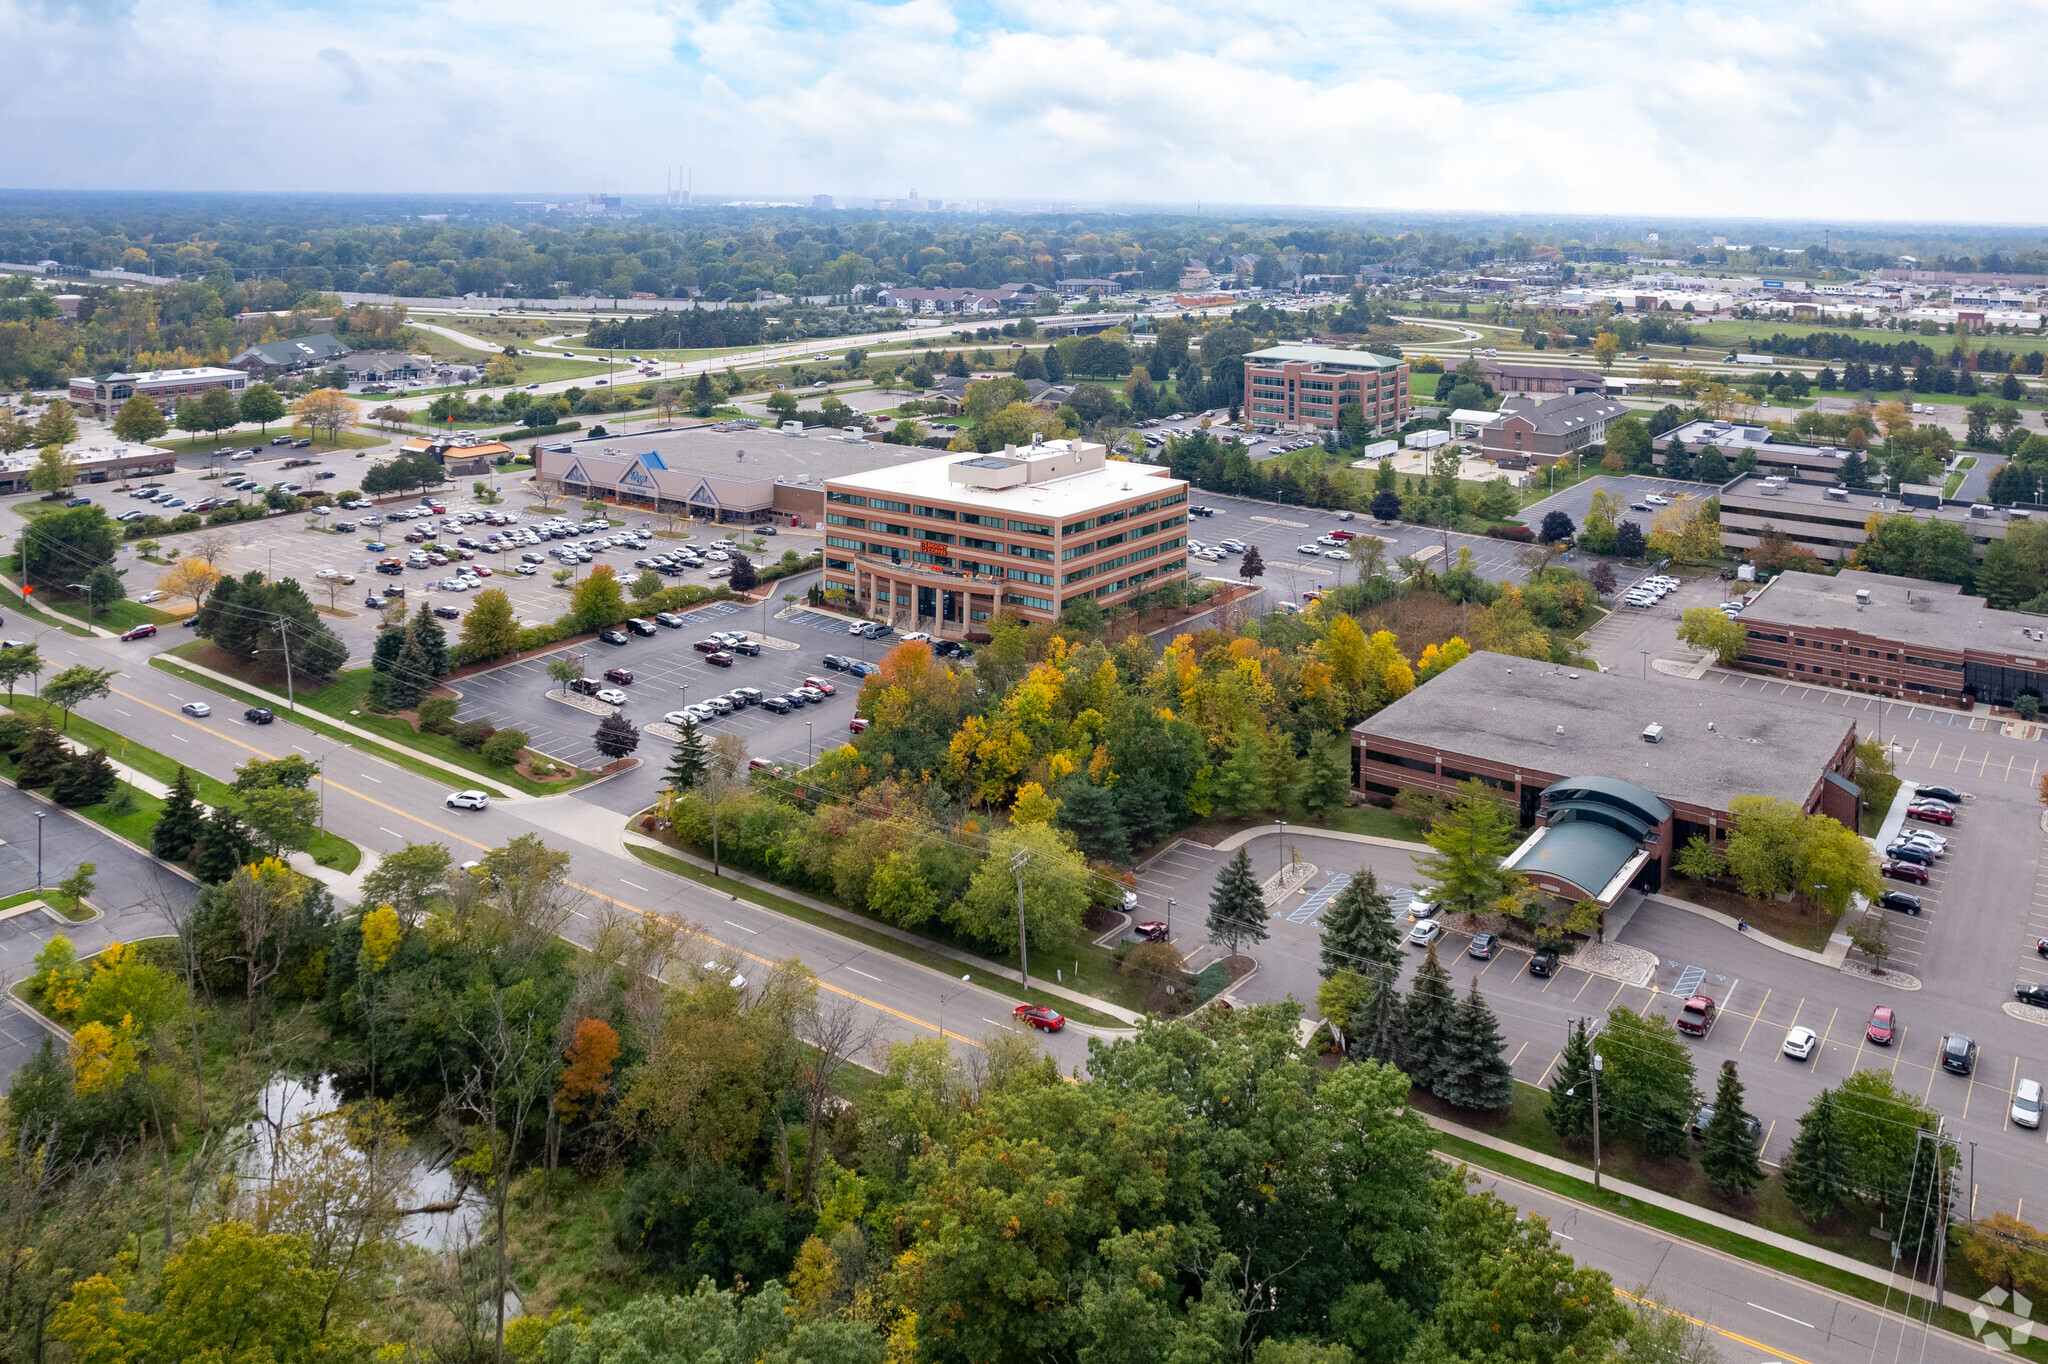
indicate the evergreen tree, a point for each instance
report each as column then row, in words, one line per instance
column 1358, row 929
column 177, row 828
column 85, row 779
column 1326, row 776
column 1237, row 906
column 1729, row 1158
column 390, row 640
column 1677, row 459
column 1817, row 1166
column 410, row 675
column 1998, row 580
column 1238, row 785
column 1432, row 1015
column 1476, row 1074
column 1379, row 1031
column 688, row 764
column 1570, row 1110
column 1855, row 469
column 223, row 844
column 1279, row 769
column 1710, row 466
column 1055, row 368
column 42, row 757
column 1094, row 817
column 433, row 642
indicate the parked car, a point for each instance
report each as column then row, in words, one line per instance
column 1800, row 1042
column 1904, row 871
column 1696, row 1016
column 1932, row 814
column 1903, row 851
column 834, row 662
column 1484, row 945
column 1697, row 1128
column 706, row 646
column 778, row 705
column 2026, row 1103
column 584, row 686
column 258, row 715
column 1544, row 963
column 1941, row 793
column 720, row 659
column 1900, row 900
column 467, row 800
column 622, row 676
column 1040, row 1016
column 1425, row 932
column 138, row 632
column 820, row 684
column 2036, row 995
column 614, row 637
column 1958, row 1053
column 448, row 612
column 612, row 696
column 857, row 725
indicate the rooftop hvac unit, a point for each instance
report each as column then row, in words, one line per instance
column 1653, row 734
column 1863, row 596
column 1980, row 509
column 2019, row 513
column 1835, row 494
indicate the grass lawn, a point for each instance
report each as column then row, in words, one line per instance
column 1783, row 921
column 61, row 901
column 1951, row 483
column 121, row 615
column 329, row 850
column 1423, row 385
column 1098, row 964
column 232, row 440
column 14, row 601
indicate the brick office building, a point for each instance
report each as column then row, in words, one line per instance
column 1576, row 748
column 103, row 394
column 1303, row 388
column 1903, row 637
column 1532, row 432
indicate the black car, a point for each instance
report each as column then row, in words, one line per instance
column 374, row 602
column 1901, row 901
column 1942, row 793
column 835, row 663
column 1910, row 852
column 640, row 627
column 951, row 648
column 778, row 704
column 585, row 686
column 614, row 637
column 669, row 619
column 751, row 648
column 1544, row 963
column 1958, row 1053
column 2036, row 995
column 1697, row 1128
column 258, row 715
column 1197, row 510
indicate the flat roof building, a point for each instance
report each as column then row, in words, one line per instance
column 1523, row 727
column 1732, row 438
column 103, row 394
column 1303, row 388
column 95, row 464
column 1830, row 519
column 1903, row 637
column 1512, row 378
column 952, row 541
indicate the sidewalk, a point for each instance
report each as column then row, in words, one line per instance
column 626, row 839
column 1838, row 944
column 1776, row 1240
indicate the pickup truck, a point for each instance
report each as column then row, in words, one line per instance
column 1696, row 1017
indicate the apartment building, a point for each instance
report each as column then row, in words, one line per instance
column 1303, row 388
column 103, row 394
column 948, row 543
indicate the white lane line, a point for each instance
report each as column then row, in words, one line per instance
column 642, row 889
column 181, row 738
column 1794, row 1320
column 174, row 696
column 858, row 972
column 307, row 751
column 1562, row 1237
column 367, row 777
column 119, row 711
column 993, row 1023
column 394, row 835
column 744, row 929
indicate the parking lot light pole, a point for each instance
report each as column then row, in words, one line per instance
column 40, row 817
column 807, row 744
column 1169, row 918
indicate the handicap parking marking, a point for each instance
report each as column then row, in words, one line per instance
column 1689, row 981
column 1323, row 894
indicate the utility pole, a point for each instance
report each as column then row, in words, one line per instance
column 1598, row 1063
column 1023, row 947
column 285, row 637
column 1941, row 1192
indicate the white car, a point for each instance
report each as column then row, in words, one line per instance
column 467, row 800
column 675, row 717
column 1330, row 540
column 1419, row 907
column 917, row 637
column 1425, row 932
column 612, row 696
column 1335, row 554
column 1800, row 1042
column 856, row 627
column 198, row 708
column 2026, row 1103
column 1309, row 550
column 327, row 573
column 148, row 597
column 1656, row 499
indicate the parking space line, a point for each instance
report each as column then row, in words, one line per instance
column 1756, row 1020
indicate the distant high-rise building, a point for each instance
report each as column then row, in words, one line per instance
column 821, row 201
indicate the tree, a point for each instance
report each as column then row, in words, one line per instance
column 1603, row 578
column 16, row 662
column 325, row 410
column 178, row 826
column 1630, row 439
column 1326, row 776
column 86, row 779
column 1570, row 1110
column 1871, row 935
column 1713, row 631
column 615, row 737
column 489, row 630
column 229, row 1293
column 1056, row 891
column 262, row 405
column 1379, row 1030
column 1251, row 565
column 1358, row 932
column 103, row 587
column 1475, row 1072
column 1470, row 839
column 282, row 819
column 1629, row 542
column 188, row 416
column 57, row 426
column 76, row 685
column 219, row 409
column 411, row 880
column 1432, row 1018
column 1647, row 1081
column 743, row 578
column 1816, row 1169
column 597, row 602
column 42, row 758
column 222, row 846
column 645, row 584
column 1605, row 347
column 687, row 765
column 1237, row 905
column 1729, row 1155
column 2008, row 1252
column 189, row 577
column 140, row 420
column 1557, row 528
column 53, row 472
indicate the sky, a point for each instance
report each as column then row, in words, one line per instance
column 1848, row 110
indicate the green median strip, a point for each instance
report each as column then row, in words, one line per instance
column 1700, row 1233
column 881, row 942
column 56, row 899
column 396, row 757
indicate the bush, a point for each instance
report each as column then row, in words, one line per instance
column 471, row 734
column 1521, row 535
column 437, row 714
column 185, row 521
column 504, row 746
column 540, row 636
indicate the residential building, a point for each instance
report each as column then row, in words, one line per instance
column 950, row 542
column 1732, row 438
column 951, row 390
column 103, row 394
column 1908, row 638
column 266, row 359
column 1829, row 519
column 919, row 300
column 1532, row 433
column 1300, row 387
column 1608, row 752
column 1545, row 379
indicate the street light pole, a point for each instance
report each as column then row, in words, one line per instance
column 1598, row 1064
column 1023, row 947
column 1169, row 918
column 40, row 817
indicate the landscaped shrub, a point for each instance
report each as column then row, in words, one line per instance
column 471, row 734
column 437, row 714
column 503, row 747
column 1519, row 534
column 540, row 636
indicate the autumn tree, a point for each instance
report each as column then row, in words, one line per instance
column 190, row 577
column 326, row 410
column 140, row 420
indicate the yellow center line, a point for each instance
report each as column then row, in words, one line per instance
column 1773, row 1350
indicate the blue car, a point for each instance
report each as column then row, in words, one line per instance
column 861, row 668
column 376, row 546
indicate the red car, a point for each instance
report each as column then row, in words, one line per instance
column 822, row 685
column 706, row 646
column 1905, row 871
column 1343, row 535
column 857, row 725
column 1313, row 594
column 480, row 570
column 1696, row 1016
column 1883, row 1025
column 622, row 676
column 139, row 632
column 719, row 659
column 1152, row 930
column 1933, row 814
column 1040, row 1017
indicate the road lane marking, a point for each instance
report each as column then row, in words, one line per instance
column 642, row 889
column 1774, row 1312
column 741, row 927
column 2005, row 1126
column 1786, row 1356
column 1756, row 1020
column 858, row 972
column 367, row 777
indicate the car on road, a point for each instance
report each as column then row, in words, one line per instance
column 2036, row 995
column 1942, row 793
column 467, row 800
column 1904, row 871
column 1425, row 932
column 258, row 715
column 198, row 708
column 138, row 632
column 1958, row 1053
column 1544, row 963
column 2026, row 1103
column 612, row 696
column 1900, row 900
column 1883, row 1027
column 1484, row 945
column 1040, row 1016
column 1697, row 1128
column 1800, row 1042
column 622, row 676
column 1696, row 1016
column 614, row 638
column 1931, row 813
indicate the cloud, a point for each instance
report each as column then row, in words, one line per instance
column 1846, row 109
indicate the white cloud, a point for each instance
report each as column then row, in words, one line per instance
column 1851, row 109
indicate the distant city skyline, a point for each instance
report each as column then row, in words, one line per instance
column 1843, row 111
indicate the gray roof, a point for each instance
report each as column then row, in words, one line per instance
column 1587, row 855
column 1508, row 710
column 770, row 455
column 1563, row 415
column 298, row 350
column 1912, row 610
column 1511, row 371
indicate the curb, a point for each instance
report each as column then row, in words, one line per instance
column 106, row 832
column 1761, row 939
